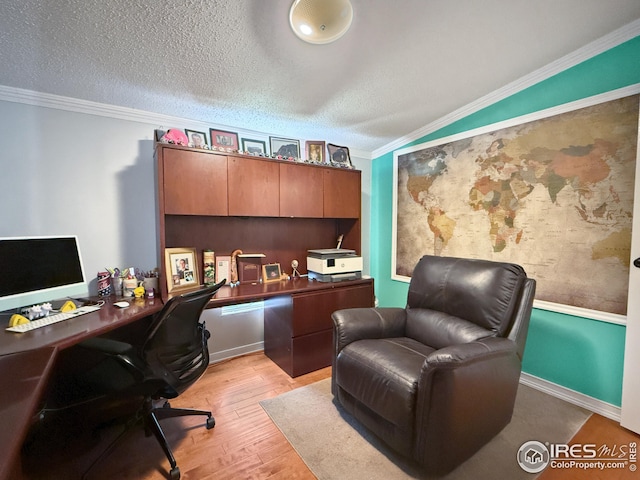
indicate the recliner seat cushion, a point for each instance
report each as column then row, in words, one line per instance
column 384, row 373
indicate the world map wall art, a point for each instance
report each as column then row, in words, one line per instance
column 552, row 191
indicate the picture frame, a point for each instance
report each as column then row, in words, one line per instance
column 181, row 268
column 254, row 147
column 197, row 139
column 315, row 151
column 224, row 139
column 287, row 147
column 158, row 134
column 339, row 156
column 223, row 268
column 271, row 272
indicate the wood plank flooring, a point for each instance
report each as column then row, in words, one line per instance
column 244, row 444
column 600, row 431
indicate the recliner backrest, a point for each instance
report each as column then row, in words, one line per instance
column 482, row 292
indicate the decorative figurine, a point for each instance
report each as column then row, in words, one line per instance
column 234, row 267
column 294, row 266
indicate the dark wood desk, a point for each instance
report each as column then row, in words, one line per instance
column 298, row 329
column 250, row 292
column 70, row 332
column 24, row 379
column 27, row 363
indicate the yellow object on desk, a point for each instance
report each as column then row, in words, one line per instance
column 17, row 319
column 68, row 306
column 138, row 292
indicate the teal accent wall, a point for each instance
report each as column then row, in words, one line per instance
column 578, row 353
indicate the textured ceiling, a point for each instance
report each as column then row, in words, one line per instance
column 402, row 65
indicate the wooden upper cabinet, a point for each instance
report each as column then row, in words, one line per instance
column 204, row 183
column 254, row 187
column 194, row 183
column 342, row 193
column 301, row 188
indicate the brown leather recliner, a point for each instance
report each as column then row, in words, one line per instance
column 438, row 379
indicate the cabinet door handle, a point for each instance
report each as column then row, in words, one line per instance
column 636, row 263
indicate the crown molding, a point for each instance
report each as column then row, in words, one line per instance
column 590, row 50
column 59, row 102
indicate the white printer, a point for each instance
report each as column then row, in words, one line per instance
column 334, row 264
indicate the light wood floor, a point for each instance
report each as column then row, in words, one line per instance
column 244, row 444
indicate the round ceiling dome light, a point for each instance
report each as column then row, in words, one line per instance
column 320, row 21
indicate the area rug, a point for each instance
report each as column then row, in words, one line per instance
column 335, row 447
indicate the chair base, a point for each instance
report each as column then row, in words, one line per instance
column 150, row 417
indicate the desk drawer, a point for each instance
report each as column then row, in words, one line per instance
column 311, row 352
column 312, row 311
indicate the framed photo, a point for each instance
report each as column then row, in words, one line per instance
column 223, row 268
column 181, row 268
column 315, row 152
column 271, row 272
column 224, row 139
column 286, row 147
column 158, row 134
column 254, row 147
column 197, row 139
column 339, row 156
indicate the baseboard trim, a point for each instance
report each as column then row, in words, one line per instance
column 580, row 399
column 235, row 352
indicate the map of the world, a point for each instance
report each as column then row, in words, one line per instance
column 554, row 195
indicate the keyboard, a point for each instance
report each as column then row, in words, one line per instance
column 53, row 318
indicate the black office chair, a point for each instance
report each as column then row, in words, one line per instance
column 173, row 356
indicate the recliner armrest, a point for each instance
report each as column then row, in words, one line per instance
column 472, row 351
column 358, row 323
column 353, row 324
column 465, row 398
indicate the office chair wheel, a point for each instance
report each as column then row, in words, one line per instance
column 211, row 422
column 175, row 473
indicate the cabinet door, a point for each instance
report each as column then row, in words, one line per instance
column 194, row 183
column 312, row 311
column 341, row 193
column 254, row 187
column 301, row 191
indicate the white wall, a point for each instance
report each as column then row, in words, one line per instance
column 93, row 175
column 364, row 165
column 72, row 173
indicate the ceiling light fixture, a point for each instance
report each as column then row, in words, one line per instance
column 320, row 21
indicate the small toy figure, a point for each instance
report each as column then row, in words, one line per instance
column 234, row 267
column 294, row 265
column 176, row 137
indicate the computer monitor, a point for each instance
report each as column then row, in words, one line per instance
column 35, row 270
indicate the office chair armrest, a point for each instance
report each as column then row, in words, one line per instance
column 123, row 352
column 107, row 346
